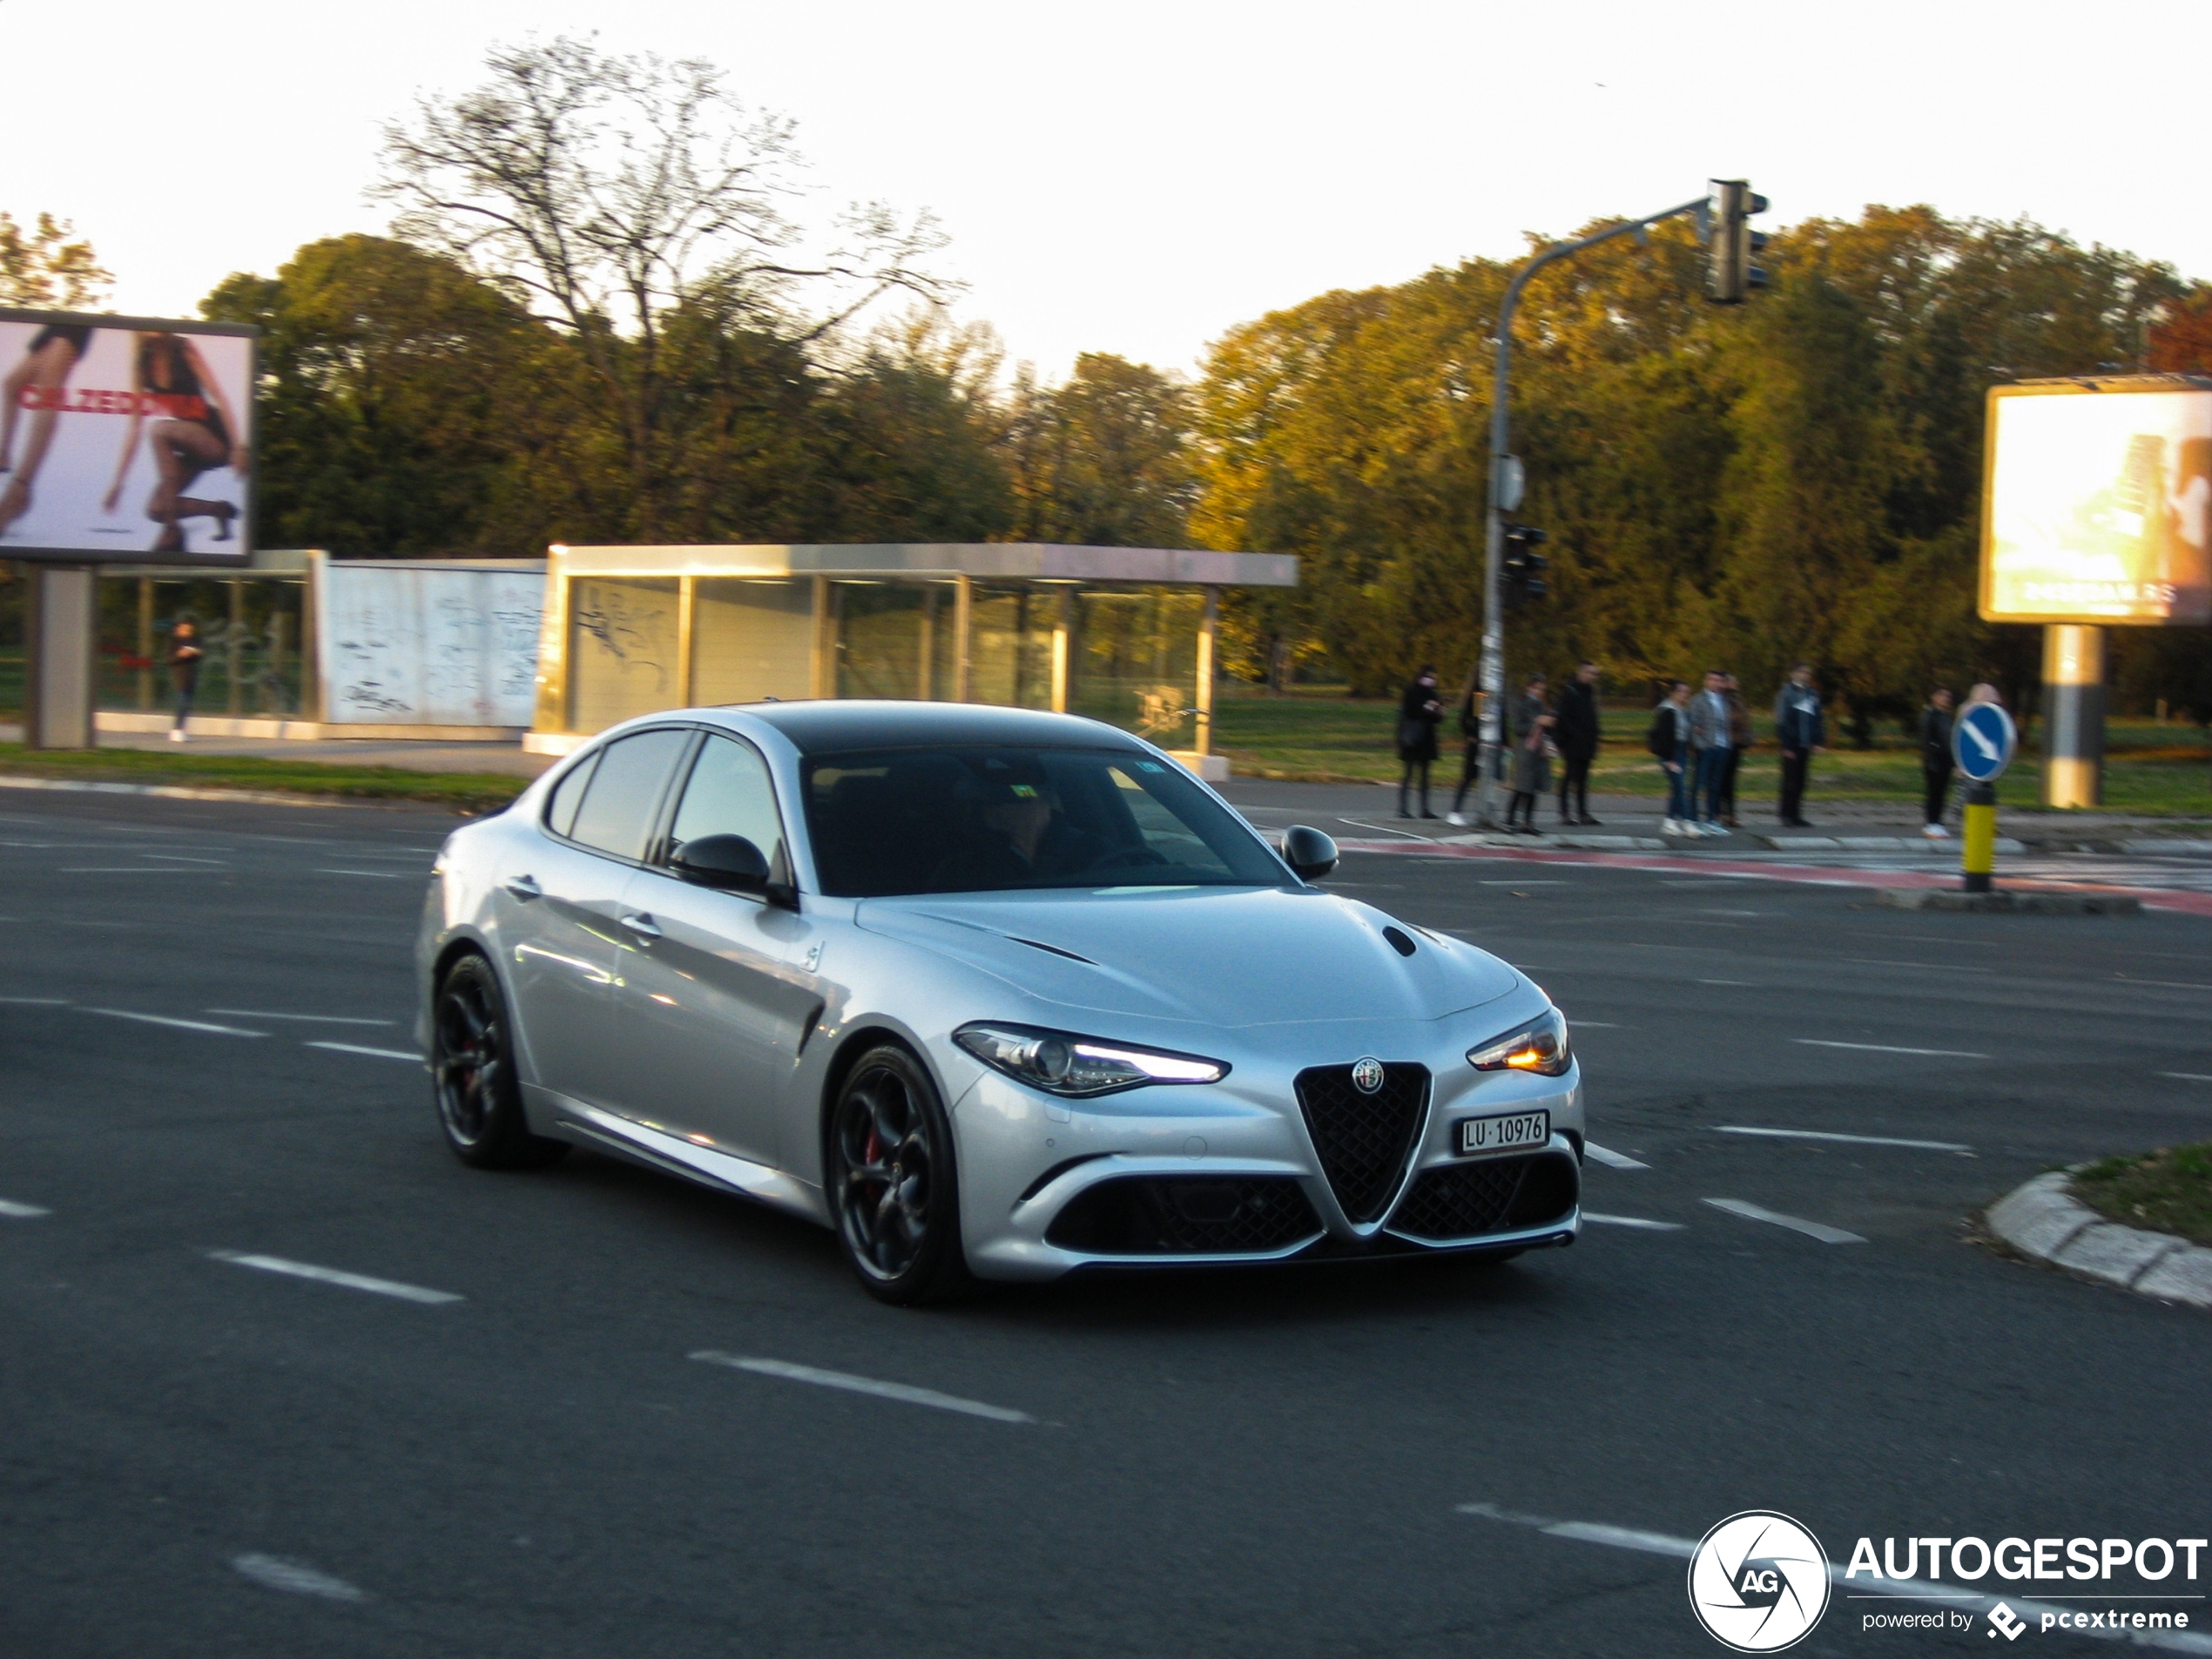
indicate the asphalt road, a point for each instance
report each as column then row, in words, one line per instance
column 202, row 1457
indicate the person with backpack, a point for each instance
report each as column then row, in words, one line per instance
column 1800, row 732
column 1419, row 712
column 1668, row 741
column 1575, row 729
column 1936, row 761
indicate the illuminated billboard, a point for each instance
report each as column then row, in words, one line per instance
column 2096, row 499
column 123, row 438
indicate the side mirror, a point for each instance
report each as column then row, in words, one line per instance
column 730, row 862
column 1308, row 851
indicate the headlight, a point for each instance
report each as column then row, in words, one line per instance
column 1060, row 1063
column 1539, row 1046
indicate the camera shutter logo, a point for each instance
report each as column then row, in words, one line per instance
column 1759, row 1582
column 1366, row 1074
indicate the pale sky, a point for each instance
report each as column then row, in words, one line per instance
column 1136, row 176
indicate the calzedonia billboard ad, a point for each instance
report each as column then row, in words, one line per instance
column 2096, row 499
column 125, row 439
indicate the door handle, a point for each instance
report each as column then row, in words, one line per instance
column 643, row 925
column 524, row 887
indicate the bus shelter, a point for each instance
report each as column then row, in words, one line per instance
column 1123, row 634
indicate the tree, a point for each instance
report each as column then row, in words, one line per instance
column 610, row 195
column 49, row 267
column 1104, row 460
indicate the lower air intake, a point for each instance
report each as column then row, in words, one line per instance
column 1186, row 1215
column 1488, row 1196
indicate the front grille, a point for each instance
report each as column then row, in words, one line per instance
column 1364, row 1140
column 1186, row 1215
column 1492, row 1195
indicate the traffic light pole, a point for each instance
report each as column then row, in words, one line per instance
column 1494, row 615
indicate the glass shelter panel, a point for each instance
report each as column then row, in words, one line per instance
column 622, row 649
column 750, row 639
column 1134, row 661
column 1009, row 646
column 888, row 637
column 249, row 629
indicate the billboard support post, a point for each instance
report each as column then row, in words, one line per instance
column 58, row 691
column 2073, row 715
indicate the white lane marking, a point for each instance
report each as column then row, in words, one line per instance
column 790, row 1373
column 1527, row 884
column 121, row 869
column 1933, row 967
column 1725, row 981
column 381, row 875
column 1601, row 1025
column 1633, row 1221
column 334, row 1275
column 38, row 1002
column 1829, row 1135
column 2186, row 1077
column 183, row 858
column 1611, row 1159
column 1886, row 1048
column 294, row 1578
column 313, row 1018
column 22, row 1211
column 181, row 1025
column 1819, row 1230
column 2167, row 984
column 378, row 1053
column 1682, row 1550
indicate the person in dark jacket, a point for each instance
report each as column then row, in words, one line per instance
column 1935, row 760
column 1668, row 741
column 1739, row 739
column 1420, row 712
column 185, row 656
column 1471, row 739
column 1800, row 732
column 1530, row 738
column 1575, row 729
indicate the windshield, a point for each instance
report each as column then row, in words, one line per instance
column 961, row 819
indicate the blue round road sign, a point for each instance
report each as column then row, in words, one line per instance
column 1982, row 741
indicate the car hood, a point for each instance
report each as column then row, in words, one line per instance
column 1223, row 956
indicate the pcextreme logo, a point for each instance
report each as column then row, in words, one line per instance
column 1758, row 1582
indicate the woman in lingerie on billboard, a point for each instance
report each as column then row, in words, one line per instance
column 193, row 433
column 53, row 352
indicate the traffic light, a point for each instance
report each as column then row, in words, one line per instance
column 1522, row 567
column 1730, row 242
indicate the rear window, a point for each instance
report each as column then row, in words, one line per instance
column 963, row 819
column 619, row 802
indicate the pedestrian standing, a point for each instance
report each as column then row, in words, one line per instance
column 1936, row 761
column 1668, row 741
column 1739, row 739
column 1575, row 732
column 1708, row 736
column 1801, row 731
column 1471, row 742
column 1419, row 714
column 1532, row 745
column 185, row 655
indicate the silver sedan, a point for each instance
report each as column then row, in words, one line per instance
column 986, row 992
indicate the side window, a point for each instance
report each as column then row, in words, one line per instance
column 729, row 793
column 568, row 795
column 616, row 815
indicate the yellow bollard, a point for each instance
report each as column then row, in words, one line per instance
column 1978, row 850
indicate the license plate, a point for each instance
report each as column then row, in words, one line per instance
column 1482, row 1136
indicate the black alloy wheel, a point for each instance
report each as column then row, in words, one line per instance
column 891, row 1180
column 472, row 1072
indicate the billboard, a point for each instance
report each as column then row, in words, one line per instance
column 2096, row 501
column 124, row 438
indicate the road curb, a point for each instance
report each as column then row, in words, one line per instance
column 2011, row 900
column 2043, row 1220
column 258, row 797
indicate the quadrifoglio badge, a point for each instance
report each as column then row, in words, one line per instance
column 1759, row 1581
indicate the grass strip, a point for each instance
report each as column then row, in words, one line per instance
column 2169, row 1190
column 467, row 792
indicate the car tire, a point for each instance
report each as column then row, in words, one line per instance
column 472, row 1074
column 893, row 1188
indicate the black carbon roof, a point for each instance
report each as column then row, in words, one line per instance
column 826, row 727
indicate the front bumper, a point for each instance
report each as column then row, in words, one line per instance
column 1229, row 1173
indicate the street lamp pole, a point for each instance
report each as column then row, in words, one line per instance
column 1494, row 620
